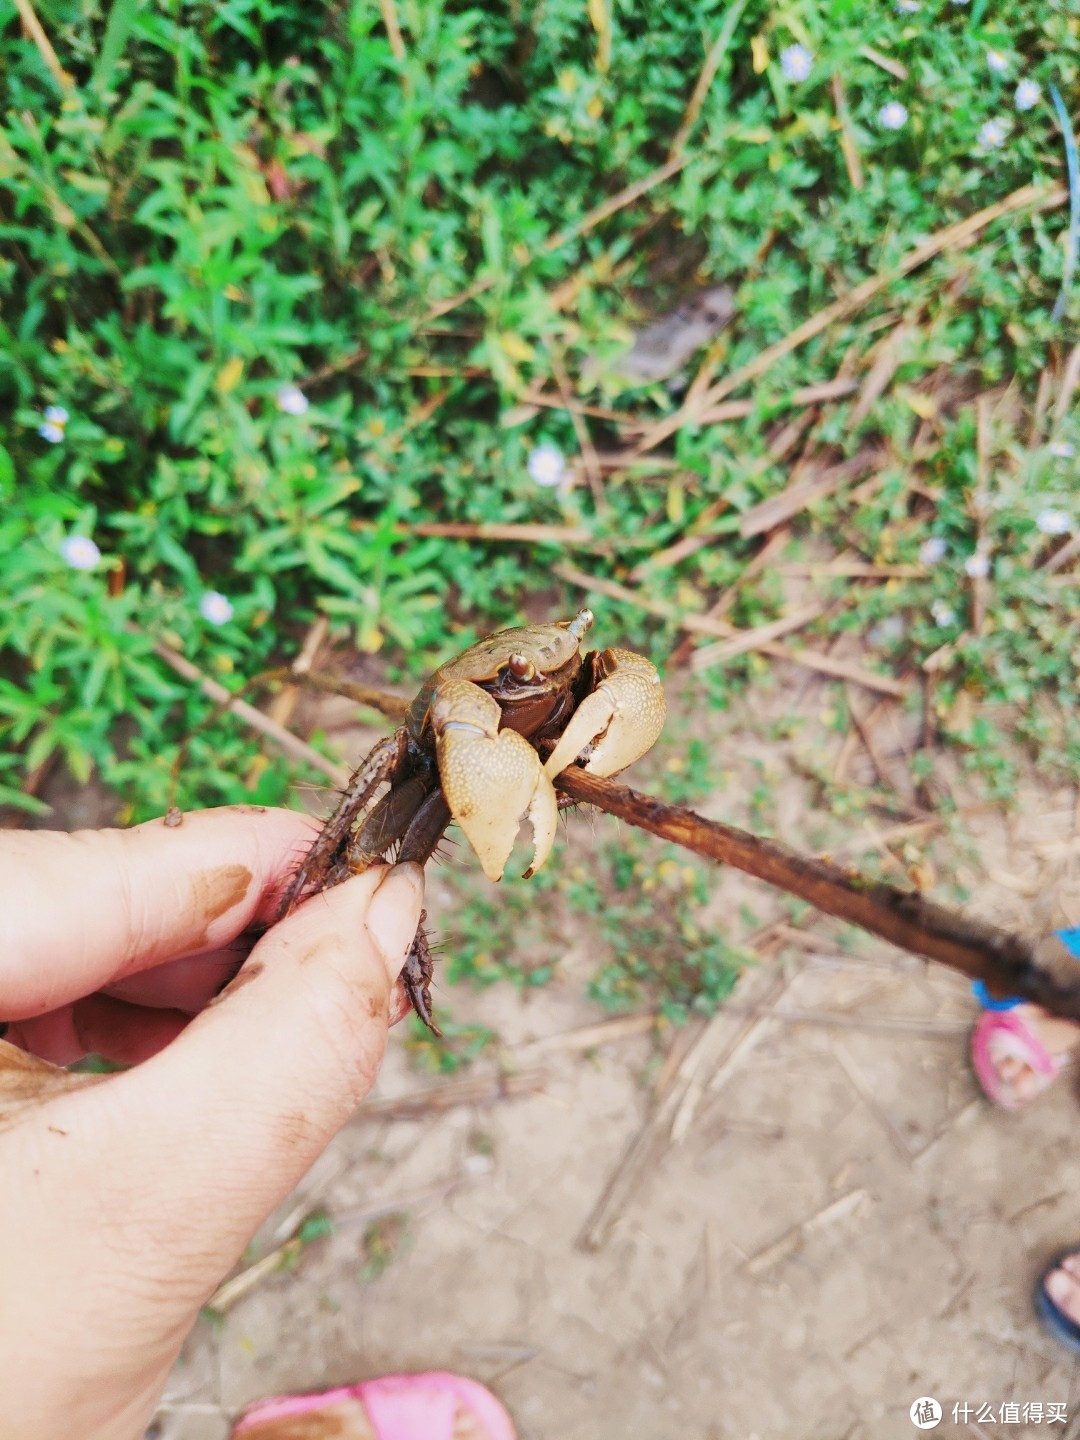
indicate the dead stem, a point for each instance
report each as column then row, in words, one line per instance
column 847, row 134
column 703, row 625
column 284, row 739
column 1009, row 963
column 36, row 31
column 584, row 439
column 713, row 61
column 980, row 504
column 1028, row 197
column 588, row 222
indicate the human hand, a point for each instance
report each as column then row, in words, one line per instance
column 129, row 1196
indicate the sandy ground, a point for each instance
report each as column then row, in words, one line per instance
column 830, row 1221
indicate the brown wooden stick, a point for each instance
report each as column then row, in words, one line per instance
column 581, row 430
column 847, row 134
column 394, row 707
column 1028, row 197
column 703, row 625
column 285, row 739
column 1009, row 963
column 36, row 31
column 599, row 213
column 713, row 60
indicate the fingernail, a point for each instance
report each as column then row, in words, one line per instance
column 394, row 914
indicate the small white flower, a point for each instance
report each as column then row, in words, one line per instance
column 1028, row 93
column 977, row 565
column 56, row 415
column 796, row 62
column 997, row 62
column 291, row 400
column 1053, row 522
column 932, row 550
column 888, row 632
column 80, row 552
column 52, row 433
column 216, row 608
column 993, row 134
column 943, row 614
column 893, row 115
column 547, row 465
column 908, row 7
column 1061, row 449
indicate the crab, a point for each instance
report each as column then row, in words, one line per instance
column 481, row 744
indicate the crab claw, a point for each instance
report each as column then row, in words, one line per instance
column 491, row 778
column 618, row 721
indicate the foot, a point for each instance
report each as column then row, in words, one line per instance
column 346, row 1419
column 1019, row 1080
column 435, row 1406
column 1062, row 1285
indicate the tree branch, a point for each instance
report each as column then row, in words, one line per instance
column 1041, row 970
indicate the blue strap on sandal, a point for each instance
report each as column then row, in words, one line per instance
column 1069, row 938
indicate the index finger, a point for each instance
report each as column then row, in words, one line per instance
column 80, row 911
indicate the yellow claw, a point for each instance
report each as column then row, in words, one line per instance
column 492, row 779
column 620, row 719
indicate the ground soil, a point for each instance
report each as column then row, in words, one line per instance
column 839, row 1224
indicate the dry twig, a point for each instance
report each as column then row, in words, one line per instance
column 1028, row 197
column 847, row 134
column 36, row 31
column 284, row 739
column 703, row 625
column 1009, row 963
column 980, row 503
column 802, row 493
column 713, row 61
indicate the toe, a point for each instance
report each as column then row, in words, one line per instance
column 1063, row 1289
column 1018, row 1078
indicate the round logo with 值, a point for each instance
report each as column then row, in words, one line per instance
column 925, row 1413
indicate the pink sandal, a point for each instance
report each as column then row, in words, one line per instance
column 397, row 1407
column 1002, row 1034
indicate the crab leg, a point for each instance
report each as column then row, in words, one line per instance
column 386, row 824
column 421, row 838
column 323, row 860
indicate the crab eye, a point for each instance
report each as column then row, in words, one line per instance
column 521, row 667
column 580, row 624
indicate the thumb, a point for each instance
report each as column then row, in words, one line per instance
column 145, row 1186
column 253, row 1090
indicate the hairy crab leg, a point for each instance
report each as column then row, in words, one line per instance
column 421, row 838
column 386, row 824
column 332, row 843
